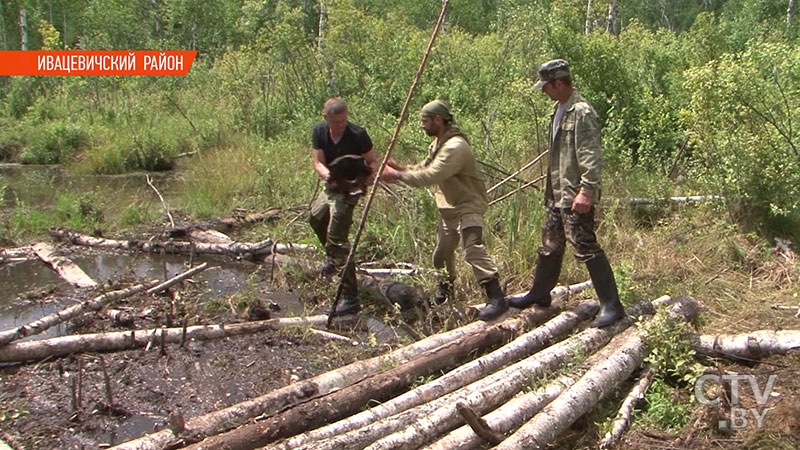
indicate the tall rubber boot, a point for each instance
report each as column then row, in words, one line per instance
column 611, row 309
column 496, row 303
column 545, row 277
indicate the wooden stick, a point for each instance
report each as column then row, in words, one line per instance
column 478, row 425
column 506, row 179
column 530, row 183
column 163, row 203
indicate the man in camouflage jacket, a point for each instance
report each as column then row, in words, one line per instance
column 573, row 190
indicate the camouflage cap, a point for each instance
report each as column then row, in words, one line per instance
column 552, row 70
column 437, row 108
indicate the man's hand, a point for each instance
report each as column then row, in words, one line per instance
column 394, row 164
column 390, row 174
column 582, row 203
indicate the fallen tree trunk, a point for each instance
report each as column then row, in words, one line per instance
column 64, row 267
column 379, row 387
column 228, row 223
column 414, row 426
column 125, row 340
column 623, row 418
column 16, row 254
column 753, row 345
column 239, row 249
column 521, row 408
column 46, row 322
column 591, row 388
column 225, row 419
column 455, row 379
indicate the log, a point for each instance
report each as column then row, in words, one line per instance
column 48, row 321
column 216, row 422
column 591, row 388
column 521, row 408
column 415, row 426
column 16, row 254
column 64, row 267
column 228, row 223
column 623, row 417
column 478, row 425
column 210, row 236
column 379, row 387
column 123, row 340
column 238, row 249
column 753, row 345
column 524, row 345
column 693, row 198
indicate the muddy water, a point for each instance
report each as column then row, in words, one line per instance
column 24, row 285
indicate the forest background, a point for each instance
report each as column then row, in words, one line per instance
column 696, row 97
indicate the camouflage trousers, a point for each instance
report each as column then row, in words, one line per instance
column 331, row 218
column 469, row 230
column 562, row 225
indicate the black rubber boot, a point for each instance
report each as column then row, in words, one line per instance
column 496, row 303
column 348, row 305
column 545, row 277
column 328, row 270
column 444, row 292
column 611, row 309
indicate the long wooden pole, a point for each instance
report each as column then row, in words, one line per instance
column 349, row 264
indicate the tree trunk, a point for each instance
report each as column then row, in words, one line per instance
column 23, row 29
column 591, row 388
column 521, row 408
column 588, row 23
column 228, row 223
column 612, row 18
column 753, row 345
column 46, row 322
column 623, row 418
column 16, row 254
column 413, row 427
column 65, row 268
column 219, row 421
column 526, row 344
column 378, row 387
column 790, row 13
column 251, row 250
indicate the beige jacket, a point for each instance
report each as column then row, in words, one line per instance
column 453, row 171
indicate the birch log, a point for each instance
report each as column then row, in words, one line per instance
column 48, row 321
column 228, row 223
column 225, row 419
column 526, row 344
column 173, row 247
column 124, row 340
column 522, row 407
column 64, row 267
column 95, row 304
column 753, row 345
column 379, row 387
column 623, row 418
column 415, row 426
column 591, row 388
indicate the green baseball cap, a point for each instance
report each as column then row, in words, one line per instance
column 437, row 108
column 552, row 70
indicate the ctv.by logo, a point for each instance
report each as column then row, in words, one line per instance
column 739, row 417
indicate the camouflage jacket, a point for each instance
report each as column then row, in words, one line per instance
column 575, row 154
column 453, row 171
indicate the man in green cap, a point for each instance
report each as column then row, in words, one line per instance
column 344, row 160
column 572, row 191
column 461, row 198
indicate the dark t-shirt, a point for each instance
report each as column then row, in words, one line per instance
column 354, row 141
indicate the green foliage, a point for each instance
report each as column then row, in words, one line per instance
column 53, row 142
column 671, row 354
column 664, row 409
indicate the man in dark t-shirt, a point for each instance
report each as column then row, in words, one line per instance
column 345, row 161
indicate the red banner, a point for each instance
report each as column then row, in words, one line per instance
column 139, row 62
